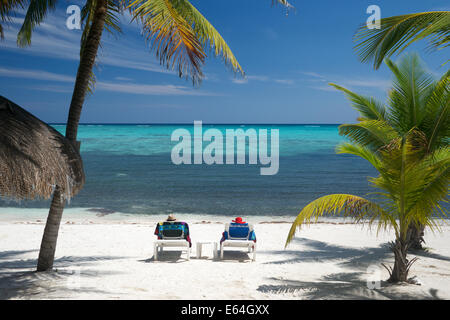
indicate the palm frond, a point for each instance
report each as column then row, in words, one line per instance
column 411, row 85
column 413, row 185
column 6, row 6
column 372, row 134
column 208, row 36
column 171, row 35
column 369, row 108
column 351, row 206
column 37, row 10
column 6, row 10
column 429, row 183
column 398, row 32
column 360, row 151
column 436, row 121
column 283, row 2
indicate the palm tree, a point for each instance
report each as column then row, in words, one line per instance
column 411, row 156
column 411, row 111
column 175, row 28
column 397, row 33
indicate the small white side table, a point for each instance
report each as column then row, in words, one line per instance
column 200, row 245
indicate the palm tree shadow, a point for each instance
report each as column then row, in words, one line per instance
column 323, row 251
column 427, row 254
column 345, row 286
column 60, row 283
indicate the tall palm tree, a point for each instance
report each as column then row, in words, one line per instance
column 398, row 32
column 175, row 29
column 412, row 158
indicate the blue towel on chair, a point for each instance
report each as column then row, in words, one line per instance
column 239, row 230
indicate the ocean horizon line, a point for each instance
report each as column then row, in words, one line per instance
column 205, row 123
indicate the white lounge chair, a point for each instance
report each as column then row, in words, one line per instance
column 171, row 238
column 239, row 242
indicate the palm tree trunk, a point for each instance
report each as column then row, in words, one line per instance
column 416, row 236
column 50, row 237
column 87, row 60
column 399, row 272
column 401, row 265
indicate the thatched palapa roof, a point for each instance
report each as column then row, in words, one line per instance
column 34, row 157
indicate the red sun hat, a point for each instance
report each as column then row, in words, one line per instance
column 238, row 220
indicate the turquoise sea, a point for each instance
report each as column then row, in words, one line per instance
column 129, row 170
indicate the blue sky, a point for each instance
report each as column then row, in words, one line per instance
column 288, row 60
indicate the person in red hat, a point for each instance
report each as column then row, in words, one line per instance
column 238, row 229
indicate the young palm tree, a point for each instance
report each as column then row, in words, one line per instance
column 411, row 109
column 397, row 33
column 407, row 143
column 175, row 28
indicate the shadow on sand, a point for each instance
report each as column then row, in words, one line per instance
column 323, row 251
column 29, row 284
column 233, row 256
column 171, row 256
column 344, row 285
column 428, row 254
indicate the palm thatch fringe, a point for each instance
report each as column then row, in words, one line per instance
column 34, row 157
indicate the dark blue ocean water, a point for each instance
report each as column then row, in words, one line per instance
column 129, row 170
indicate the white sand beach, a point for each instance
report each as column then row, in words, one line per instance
column 108, row 259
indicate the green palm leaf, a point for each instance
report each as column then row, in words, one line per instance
column 351, row 206
column 360, row 151
column 37, row 10
column 436, row 122
column 6, row 10
column 430, row 184
column 208, row 36
column 397, row 33
column 369, row 108
column 411, row 85
column 373, row 134
column 171, row 36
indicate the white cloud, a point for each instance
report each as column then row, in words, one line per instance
column 354, row 82
column 368, row 83
column 258, row 78
column 125, row 87
column 239, row 81
column 53, row 88
column 52, row 39
column 122, row 79
column 313, row 74
column 323, row 88
column 150, row 89
column 284, row 81
column 36, row 75
column 261, row 78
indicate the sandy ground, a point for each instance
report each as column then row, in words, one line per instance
column 115, row 261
